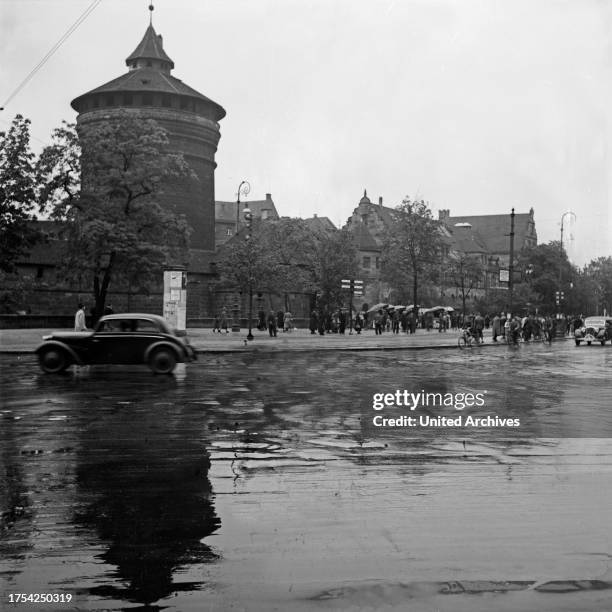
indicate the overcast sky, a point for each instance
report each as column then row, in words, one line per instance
column 477, row 106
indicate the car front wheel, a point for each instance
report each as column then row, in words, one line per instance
column 53, row 360
column 162, row 361
column 577, row 342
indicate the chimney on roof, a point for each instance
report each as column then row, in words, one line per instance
column 443, row 214
column 315, row 215
column 380, row 200
column 268, row 196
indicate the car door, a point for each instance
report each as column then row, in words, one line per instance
column 147, row 332
column 104, row 341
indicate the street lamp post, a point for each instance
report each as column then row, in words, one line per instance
column 244, row 188
column 560, row 296
column 248, row 218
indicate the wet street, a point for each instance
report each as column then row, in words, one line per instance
column 261, row 482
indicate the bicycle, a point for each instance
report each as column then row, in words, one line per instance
column 546, row 336
column 467, row 339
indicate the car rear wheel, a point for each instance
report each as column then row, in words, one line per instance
column 53, row 360
column 588, row 344
column 577, row 342
column 162, row 361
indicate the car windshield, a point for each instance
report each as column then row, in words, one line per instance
column 595, row 322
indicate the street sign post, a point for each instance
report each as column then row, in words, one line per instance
column 355, row 287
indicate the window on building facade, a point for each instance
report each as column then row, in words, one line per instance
column 366, row 262
column 147, row 99
column 378, row 263
column 166, row 100
column 128, row 99
column 228, row 231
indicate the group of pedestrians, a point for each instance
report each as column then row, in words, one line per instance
column 275, row 321
column 515, row 328
column 507, row 327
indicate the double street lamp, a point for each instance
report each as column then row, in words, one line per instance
column 248, row 219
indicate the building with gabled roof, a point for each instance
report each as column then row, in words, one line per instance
column 493, row 231
column 229, row 218
column 320, row 226
column 483, row 237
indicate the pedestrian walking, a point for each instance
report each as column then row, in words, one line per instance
column 261, row 320
column 496, row 327
column 216, row 327
column 272, row 327
column 313, row 323
column 280, row 320
column 224, row 320
column 378, row 323
column 341, row 321
column 79, row 318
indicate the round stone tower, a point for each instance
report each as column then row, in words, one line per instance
column 190, row 118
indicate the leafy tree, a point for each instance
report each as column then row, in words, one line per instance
column 540, row 268
column 58, row 172
column 411, row 251
column 466, row 272
column 600, row 272
column 293, row 249
column 246, row 261
column 17, row 194
column 336, row 259
column 284, row 256
column 115, row 227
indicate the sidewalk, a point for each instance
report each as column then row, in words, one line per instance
column 204, row 341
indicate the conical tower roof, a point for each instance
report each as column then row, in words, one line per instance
column 150, row 48
column 149, row 72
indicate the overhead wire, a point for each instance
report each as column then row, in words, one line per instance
column 51, row 51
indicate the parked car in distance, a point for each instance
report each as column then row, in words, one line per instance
column 595, row 329
column 128, row 338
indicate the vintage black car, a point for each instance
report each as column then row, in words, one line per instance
column 129, row 338
column 595, row 329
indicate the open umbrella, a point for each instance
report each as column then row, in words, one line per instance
column 377, row 307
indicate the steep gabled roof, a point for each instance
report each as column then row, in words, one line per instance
column 226, row 211
column 320, row 225
column 494, row 230
column 466, row 240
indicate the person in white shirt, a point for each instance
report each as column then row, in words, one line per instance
column 79, row 319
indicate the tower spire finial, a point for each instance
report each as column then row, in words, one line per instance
column 151, row 9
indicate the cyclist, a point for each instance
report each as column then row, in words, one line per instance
column 515, row 331
column 548, row 328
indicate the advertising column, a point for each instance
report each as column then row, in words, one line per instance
column 175, row 297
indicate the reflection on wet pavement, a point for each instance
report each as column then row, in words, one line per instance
column 259, row 482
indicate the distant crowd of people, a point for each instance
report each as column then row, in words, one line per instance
column 395, row 321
